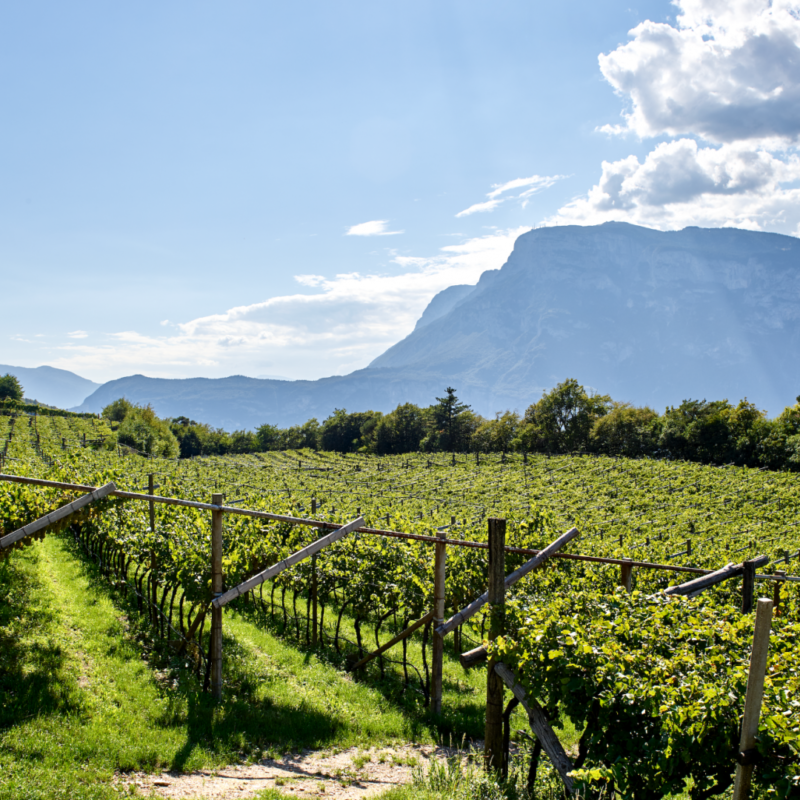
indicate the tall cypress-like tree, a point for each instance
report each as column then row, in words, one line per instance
column 446, row 415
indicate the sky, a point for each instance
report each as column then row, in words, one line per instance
column 279, row 189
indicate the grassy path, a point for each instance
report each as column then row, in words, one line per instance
column 79, row 702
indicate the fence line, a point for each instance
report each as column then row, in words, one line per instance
column 315, row 523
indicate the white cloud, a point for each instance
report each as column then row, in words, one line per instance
column 77, row 334
column 349, row 320
column 728, row 71
column 531, row 185
column 534, row 184
column 489, row 205
column 681, row 184
column 376, row 227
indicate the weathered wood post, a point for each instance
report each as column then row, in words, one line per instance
column 314, row 600
column 748, row 586
column 439, row 572
column 626, row 576
column 216, row 591
column 493, row 747
column 753, row 698
column 150, row 491
column 776, row 592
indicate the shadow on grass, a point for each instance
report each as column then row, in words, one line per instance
column 459, row 716
column 34, row 679
column 240, row 725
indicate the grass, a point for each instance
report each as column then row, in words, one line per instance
column 84, row 696
column 80, row 702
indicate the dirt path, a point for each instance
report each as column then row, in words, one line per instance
column 345, row 775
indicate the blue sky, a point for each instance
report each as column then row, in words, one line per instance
column 279, row 189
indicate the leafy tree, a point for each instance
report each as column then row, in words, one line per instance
column 562, row 420
column 243, row 442
column 268, row 437
column 626, row 431
column 496, row 435
column 301, row 437
column 142, row 430
column 118, row 410
column 400, row 431
column 779, row 446
column 10, row 388
column 348, row 433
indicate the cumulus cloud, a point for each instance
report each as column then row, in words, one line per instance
column 680, row 184
column 531, row 185
column 728, row 71
column 77, row 334
column 344, row 323
column 377, row 227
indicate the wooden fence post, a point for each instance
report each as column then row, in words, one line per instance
column 753, row 698
column 216, row 591
column 626, row 576
column 153, row 589
column 776, row 592
column 748, row 586
column 493, row 747
column 439, row 572
column 314, row 600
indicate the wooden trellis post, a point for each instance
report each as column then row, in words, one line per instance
column 314, row 600
column 216, row 591
column 493, row 747
column 153, row 588
column 753, row 699
column 748, row 585
column 626, row 576
column 438, row 619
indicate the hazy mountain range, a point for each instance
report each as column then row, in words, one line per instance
column 51, row 386
column 646, row 316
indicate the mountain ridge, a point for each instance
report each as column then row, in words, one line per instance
column 52, row 386
column 647, row 316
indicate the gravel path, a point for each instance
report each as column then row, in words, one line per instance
column 344, row 775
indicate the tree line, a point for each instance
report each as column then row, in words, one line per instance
column 567, row 419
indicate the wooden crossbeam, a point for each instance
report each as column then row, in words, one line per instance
column 294, row 558
column 695, row 586
column 404, row 634
column 56, row 516
column 476, row 605
column 540, row 725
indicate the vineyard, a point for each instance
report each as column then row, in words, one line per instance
column 654, row 686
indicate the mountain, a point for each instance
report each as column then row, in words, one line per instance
column 51, row 386
column 646, row 316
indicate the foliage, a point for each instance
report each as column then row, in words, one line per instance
column 348, row 433
column 643, row 653
column 450, row 424
column 143, row 431
column 658, row 685
column 625, row 431
column 562, row 420
column 10, row 388
column 496, row 435
column 401, row 431
column 118, row 410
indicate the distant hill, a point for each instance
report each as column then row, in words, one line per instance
column 646, row 316
column 51, row 386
